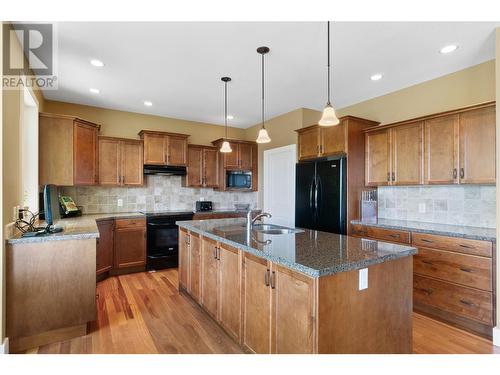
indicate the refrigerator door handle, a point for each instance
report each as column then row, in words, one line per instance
column 318, row 191
column 311, row 189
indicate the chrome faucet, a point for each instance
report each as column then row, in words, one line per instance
column 251, row 222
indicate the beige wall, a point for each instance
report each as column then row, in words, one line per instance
column 465, row 87
column 128, row 124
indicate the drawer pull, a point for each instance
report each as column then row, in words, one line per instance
column 467, row 303
column 426, row 291
column 394, row 235
column 427, row 262
column 428, row 241
column 466, row 246
column 466, row 270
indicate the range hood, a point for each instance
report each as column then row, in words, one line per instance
column 164, row 170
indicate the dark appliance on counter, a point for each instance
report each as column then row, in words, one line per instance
column 321, row 194
column 239, row 180
column 163, row 239
column 164, row 170
column 203, row 206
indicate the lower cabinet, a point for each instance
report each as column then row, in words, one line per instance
column 130, row 243
column 194, row 287
column 452, row 277
column 121, row 246
column 105, row 246
column 183, row 258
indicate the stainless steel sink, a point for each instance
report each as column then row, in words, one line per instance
column 274, row 229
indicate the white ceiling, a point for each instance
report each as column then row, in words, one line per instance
column 178, row 65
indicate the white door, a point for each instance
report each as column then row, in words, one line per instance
column 279, row 184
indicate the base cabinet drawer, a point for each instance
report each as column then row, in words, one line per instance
column 381, row 234
column 468, row 270
column 459, row 245
column 466, row 302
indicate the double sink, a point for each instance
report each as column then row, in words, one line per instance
column 274, row 229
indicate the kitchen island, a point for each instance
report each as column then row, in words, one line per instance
column 299, row 291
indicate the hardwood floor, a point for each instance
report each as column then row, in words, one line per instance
column 144, row 313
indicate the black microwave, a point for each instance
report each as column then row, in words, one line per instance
column 238, row 180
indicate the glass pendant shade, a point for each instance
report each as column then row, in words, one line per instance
column 226, row 147
column 263, row 136
column 329, row 117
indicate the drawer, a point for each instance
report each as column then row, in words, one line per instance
column 130, row 223
column 460, row 300
column 381, row 234
column 468, row 270
column 459, row 245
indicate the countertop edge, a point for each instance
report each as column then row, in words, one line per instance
column 437, row 232
column 297, row 267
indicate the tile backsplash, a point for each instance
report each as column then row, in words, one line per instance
column 471, row 205
column 159, row 193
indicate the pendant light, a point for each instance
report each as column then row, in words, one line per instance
column 226, row 147
column 329, row 117
column 263, row 136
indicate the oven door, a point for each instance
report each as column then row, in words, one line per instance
column 163, row 239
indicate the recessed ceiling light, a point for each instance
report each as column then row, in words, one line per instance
column 97, row 63
column 448, row 49
column 230, row 117
column 94, row 91
column 147, row 103
column 376, row 77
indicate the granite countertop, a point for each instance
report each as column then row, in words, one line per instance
column 75, row 228
column 310, row 252
column 474, row 233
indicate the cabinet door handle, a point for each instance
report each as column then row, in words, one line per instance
column 467, row 303
column 462, row 173
column 388, row 176
column 393, row 176
column 215, row 252
column 454, row 173
column 469, row 270
column 273, row 280
column 266, row 278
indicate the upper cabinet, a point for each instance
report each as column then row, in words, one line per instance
column 68, row 152
column 452, row 148
column 394, row 156
column 120, row 162
column 202, row 167
column 316, row 141
column 163, row 148
column 243, row 157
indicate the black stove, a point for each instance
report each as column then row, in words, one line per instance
column 163, row 238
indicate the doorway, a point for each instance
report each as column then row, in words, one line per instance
column 279, row 184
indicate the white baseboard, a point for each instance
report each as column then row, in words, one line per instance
column 496, row 336
column 4, row 347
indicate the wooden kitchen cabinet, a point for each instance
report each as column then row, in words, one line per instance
column 105, row 246
column 458, row 148
column 120, row 162
column 194, row 285
column 209, row 277
column 377, row 158
column 279, row 309
column 256, row 335
column 441, row 150
column 221, row 285
column 130, row 243
column 162, row 148
column 316, row 141
column 394, row 156
column 202, row 167
column 292, row 292
column 184, row 255
column 68, row 152
column 477, row 146
column 243, row 157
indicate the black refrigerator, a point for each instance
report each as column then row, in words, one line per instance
column 320, row 195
